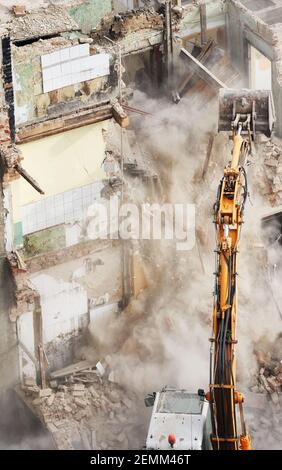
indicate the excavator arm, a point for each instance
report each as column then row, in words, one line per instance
column 239, row 112
column 181, row 420
column 228, row 218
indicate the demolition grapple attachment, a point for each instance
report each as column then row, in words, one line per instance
column 252, row 110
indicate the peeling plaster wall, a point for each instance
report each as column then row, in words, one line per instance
column 91, row 272
column 64, row 307
column 60, row 163
column 89, row 14
column 32, row 104
column 26, row 337
column 71, row 294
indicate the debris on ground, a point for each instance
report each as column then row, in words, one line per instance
column 272, row 152
column 269, row 377
column 94, row 414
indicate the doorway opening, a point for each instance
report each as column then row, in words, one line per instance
column 260, row 70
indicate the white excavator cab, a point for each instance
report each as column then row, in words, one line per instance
column 180, row 421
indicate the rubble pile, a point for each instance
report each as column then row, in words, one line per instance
column 43, row 22
column 97, row 414
column 10, row 155
column 117, row 26
column 269, row 380
column 273, row 171
column 269, row 377
column 264, row 397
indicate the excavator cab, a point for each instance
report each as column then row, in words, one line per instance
column 180, row 420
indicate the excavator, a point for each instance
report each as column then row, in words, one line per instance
column 194, row 421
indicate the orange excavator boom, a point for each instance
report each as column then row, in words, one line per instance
column 244, row 113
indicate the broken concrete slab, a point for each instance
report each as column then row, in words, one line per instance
column 29, row 382
column 271, row 162
column 36, row 401
column 42, row 23
column 80, row 415
column 67, row 409
column 78, row 387
column 72, row 369
column 78, row 393
column 34, row 390
column 93, row 392
column 100, row 369
column 52, row 427
column 19, row 10
column 50, row 400
column 60, row 423
column 274, row 384
column 45, row 392
column 53, row 384
column 81, row 403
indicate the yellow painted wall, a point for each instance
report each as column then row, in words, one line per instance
column 59, row 163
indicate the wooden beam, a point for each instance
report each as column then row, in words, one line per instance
column 64, row 123
column 42, row 366
column 203, row 20
column 72, row 369
column 202, row 71
column 28, row 178
column 28, row 353
column 120, row 115
column 168, row 40
column 202, row 57
column 208, row 155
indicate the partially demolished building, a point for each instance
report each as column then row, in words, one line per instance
column 69, row 70
column 61, row 81
column 58, row 93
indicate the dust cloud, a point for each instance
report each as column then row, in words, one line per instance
column 162, row 337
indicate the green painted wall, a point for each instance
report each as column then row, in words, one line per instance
column 89, row 14
column 44, row 241
column 18, row 234
column 24, row 89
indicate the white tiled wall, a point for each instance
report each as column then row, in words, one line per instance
column 72, row 65
column 61, row 208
